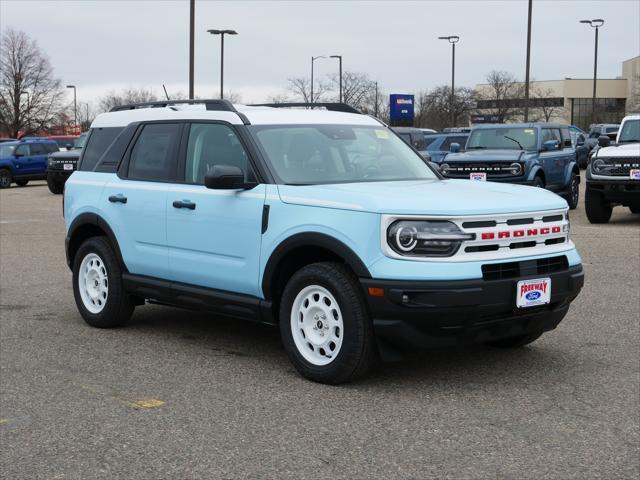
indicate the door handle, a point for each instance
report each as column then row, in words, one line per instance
column 117, row 199
column 184, row 204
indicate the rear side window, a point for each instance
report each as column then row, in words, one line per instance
column 51, row 147
column 154, row 154
column 98, row 142
column 37, row 149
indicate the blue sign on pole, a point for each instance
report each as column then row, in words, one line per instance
column 401, row 109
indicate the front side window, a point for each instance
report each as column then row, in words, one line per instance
column 99, row 141
column 212, row 144
column 154, row 155
column 317, row 154
column 518, row 138
column 550, row 134
column 630, row 131
column 23, row 150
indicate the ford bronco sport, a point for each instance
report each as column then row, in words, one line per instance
column 613, row 174
column 538, row 154
column 323, row 222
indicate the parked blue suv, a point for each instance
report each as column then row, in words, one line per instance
column 24, row 160
column 538, row 154
column 438, row 145
column 321, row 221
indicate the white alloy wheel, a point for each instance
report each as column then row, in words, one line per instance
column 316, row 325
column 93, row 283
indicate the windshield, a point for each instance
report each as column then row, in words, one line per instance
column 6, row 151
column 316, row 154
column 503, row 138
column 630, row 131
column 80, row 141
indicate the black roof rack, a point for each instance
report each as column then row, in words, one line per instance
column 220, row 105
column 334, row 107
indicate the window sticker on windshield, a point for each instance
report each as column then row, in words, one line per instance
column 382, row 134
column 530, row 131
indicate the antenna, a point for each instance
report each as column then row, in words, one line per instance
column 165, row 91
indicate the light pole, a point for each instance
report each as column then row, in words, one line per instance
column 339, row 57
column 313, row 59
column 222, row 33
column 526, row 80
column 595, row 23
column 452, row 39
column 192, row 20
column 75, row 108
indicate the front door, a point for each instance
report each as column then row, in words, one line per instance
column 214, row 236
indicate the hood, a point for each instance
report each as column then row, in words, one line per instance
column 66, row 154
column 621, row 150
column 425, row 197
column 497, row 155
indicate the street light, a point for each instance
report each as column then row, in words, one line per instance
column 452, row 39
column 339, row 57
column 75, row 108
column 222, row 33
column 313, row 59
column 595, row 23
column 526, row 79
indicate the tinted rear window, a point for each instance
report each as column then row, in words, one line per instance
column 98, row 142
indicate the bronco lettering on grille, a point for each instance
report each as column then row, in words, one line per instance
column 529, row 232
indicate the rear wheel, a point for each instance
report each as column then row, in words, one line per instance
column 5, row 178
column 55, row 186
column 324, row 324
column 597, row 208
column 97, row 285
column 515, row 342
column 21, row 183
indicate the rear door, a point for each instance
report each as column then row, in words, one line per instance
column 135, row 199
column 214, row 236
column 39, row 156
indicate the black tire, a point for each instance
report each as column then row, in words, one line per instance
column 515, row 342
column 55, row 186
column 118, row 306
column 582, row 160
column 357, row 352
column 5, row 178
column 597, row 208
column 573, row 195
column 538, row 182
column 21, row 183
column 634, row 209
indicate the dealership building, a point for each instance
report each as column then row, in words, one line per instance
column 570, row 100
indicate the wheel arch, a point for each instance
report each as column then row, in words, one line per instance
column 303, row 249
column 85, row 226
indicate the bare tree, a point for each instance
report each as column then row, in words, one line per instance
column 502, row 96
column 30, row 94
column 434, row 108
column 544, row 105
column 357, row 88
column 633, row 104
column 300, row 88
column 126, row 96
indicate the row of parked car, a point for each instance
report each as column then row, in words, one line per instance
column 544, row 155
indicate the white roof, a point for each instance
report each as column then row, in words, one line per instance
column 256, row 115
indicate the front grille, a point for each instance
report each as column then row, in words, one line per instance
column 542, row 266
column 617, row 167
column 493, row 170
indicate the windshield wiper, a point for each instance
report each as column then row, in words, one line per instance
column 475, row 148
column 514, row 140
column 631, row 140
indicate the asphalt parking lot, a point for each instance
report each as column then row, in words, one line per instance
column 178, row 394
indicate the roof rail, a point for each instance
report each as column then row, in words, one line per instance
column 334, row 107
column 218, row 104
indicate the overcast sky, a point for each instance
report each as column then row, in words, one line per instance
column 105, row 45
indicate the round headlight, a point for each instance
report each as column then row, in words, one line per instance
column 406, row 238
column 597, row 164
column 444, row 168
column 514, row 168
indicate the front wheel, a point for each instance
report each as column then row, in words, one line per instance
column 97, row 285
column 324, row 324
column 538, row 182
column 5, row 178
column 55, row 186
column 515, row 342
column 573, row 196
column 21, row 183
column 597, row 208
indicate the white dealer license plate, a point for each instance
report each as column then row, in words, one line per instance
column 482, row 176
column 531, row 293
column 67, row 166
column 634, row 174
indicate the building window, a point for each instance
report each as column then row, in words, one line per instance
column 608, row 110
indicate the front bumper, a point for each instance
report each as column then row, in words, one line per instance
column 59, row 173
column 626, row 192
column 432, row 314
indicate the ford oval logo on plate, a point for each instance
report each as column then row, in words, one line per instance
column 533, row 296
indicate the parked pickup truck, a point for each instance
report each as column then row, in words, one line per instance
column 613, row 174
column 537, row 154
column 324, row 223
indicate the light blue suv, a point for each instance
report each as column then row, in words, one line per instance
column 322, row 221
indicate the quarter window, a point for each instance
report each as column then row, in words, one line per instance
column 212, row 144
column 99, row 141
column 23, row 150
column 154, row 155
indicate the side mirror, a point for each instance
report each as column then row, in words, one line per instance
column 226, row 177
column 580, row 141
column 604, row 140
column 550, row 145
column 454, row 148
